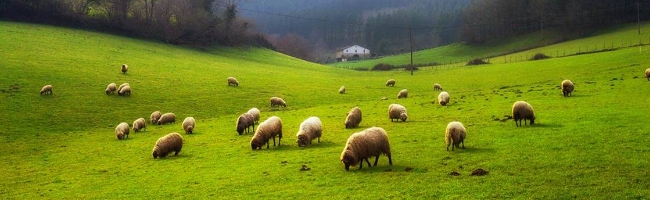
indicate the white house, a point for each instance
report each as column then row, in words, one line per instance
column 354, row 52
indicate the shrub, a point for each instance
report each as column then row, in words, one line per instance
column 476, row 61
column 383, row 67
column 539, row 56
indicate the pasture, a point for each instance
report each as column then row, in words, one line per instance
column 591, row 145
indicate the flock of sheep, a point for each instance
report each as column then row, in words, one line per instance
column 360, row 146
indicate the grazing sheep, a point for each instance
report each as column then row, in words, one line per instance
column 647, row 74
column 342, row 90
column 256, row 114
column 402, row 94
column 124, row 68
column 46, row 89
column 167, row 144
column 390, row 82
column 567, row 87
column 266, row 130
column 455, row 133
column 396, row 111
column 277, row 101
column 122, row 130
column 522, row 110
column 244, row 121
column 167, row 118
column 309, row 129
column 111, row 88
column 365, row 144
column 354, row 118
column 121, row 86
column 139, row 124
column 443, row 98
column 188, row 125
column 126, row 90
column 437, row 87
column 233, row 81
column 154, row 117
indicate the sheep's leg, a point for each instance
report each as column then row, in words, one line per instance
column 319, row 140
column 273, row 140
column 448, row 144
column 361, row 164
column 390, row 160
column 376, row 159
column 367, row 162
column 463, row 142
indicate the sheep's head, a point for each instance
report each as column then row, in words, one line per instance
column 256, row 144
column 443, row 103
column 532, row 120
column 240, row 126
column 349, row 159
column 302, row 140
column 120, row 135
column 403, row 116
column 155, row 152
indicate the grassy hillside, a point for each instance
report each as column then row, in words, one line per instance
column 593, row 144
column 526, row 46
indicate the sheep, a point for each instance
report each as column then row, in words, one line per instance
column 567, row 87
column 437, row 87
column 647, row 74
column 124, row 68
column 111, row 88
column 396, row 111
column 443, row 98
column 47, row 89
column 256, row 114
column 188, row 125
column 166, row 118
column 154, row 117
column 266, row 130
column 232, row 81
column 121, row 86
column 309, row 129
column 342, row 90
column 365, row 144
column 277, row 101
column 139, row 124
column 354, row 118
column 455, row 133
column 522, row 110
column 122, row 130
column 402, row 94
column 390, row 82
column 166, row 144
column 244, row 121
column 126, row 90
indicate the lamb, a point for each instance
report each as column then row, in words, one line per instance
column 124, row 68
column 522, row 110
column 188, row 125
column 47, row 89
column 354, row 118
column 455, row 133
column 277, row 101
column 256, row 114
column 342, row 90
column 122, row 130
column 402, row 94
column 139, row 124
column 567, row 88
column 244, row 121
column 232, row 81
column 443, row 98
column 266, row 130
column 167, row 118
column 111, row 88
column 121, row 86
column 154, row 117
column 396, row 111
column 437, row 87
column 390, row 82
column 647, row 74
column 309, row 129
column 365, row 144
column 166, row 144
column 126, row 90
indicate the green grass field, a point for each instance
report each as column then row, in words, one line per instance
column 591, row 145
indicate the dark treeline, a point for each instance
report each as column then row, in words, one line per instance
column 201, row 23
column 486, row 20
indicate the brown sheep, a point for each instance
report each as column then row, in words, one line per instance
column 154, row 117
column 122, row 130
column 309, row 129
column 443, row 98
column 522, row 110
column 277, row 101
column 244, row 122
column 255, row 113
column 437, row 87
column 46, row 89
column 390, row 82
column 402, row 94
column 647, row 74
column 232, row 81
column 124, row 68
column 354, row 118
column 139, row 124
column 111, row 88
column 567, row 88
column 121, row 86
column 167, row 118
column 188, row 125
column 167, row 144
column 396, row 111
column 365, row 144
column 266, row 130
column 455, row 133
column 126, row 90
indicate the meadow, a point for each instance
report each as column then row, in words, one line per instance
column 591, row 145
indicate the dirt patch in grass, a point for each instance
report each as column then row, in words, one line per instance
column 479, row 172
column 454, row 173
column 408, row 169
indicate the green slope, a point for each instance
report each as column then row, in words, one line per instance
column 593, row 144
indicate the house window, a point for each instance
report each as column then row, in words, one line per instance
column 346, row 51
column 355, row 51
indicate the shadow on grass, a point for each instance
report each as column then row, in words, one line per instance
column 383, row 167
column 469, row 149
column 540, row 125
column 579, row 95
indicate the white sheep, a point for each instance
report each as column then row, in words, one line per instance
column 122, row 130
column 309, row 129
column 268, row 129
column 154, row 117
column 647, row 74
column 402, row 94
column 255, row 113
column 244, row 121
column 522, row 110
column 567, row 87
column 233, row 81
column 167, row 118
column 354, row 118
column 455, row 133
column 390, row 82
column 125, row 68
column 437, row 87
column 188, row 125
column 167, row 144
column 342, row 90
column 365, row 144
column 47, row 89
column 277, row 101
column 111, row 88
column 121, row 86
column 126, row 90
column 396, row 111
column 443, row 98
column 139, row 124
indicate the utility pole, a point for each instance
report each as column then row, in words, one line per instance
column 638, row 19
column 411, row 41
